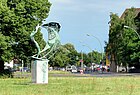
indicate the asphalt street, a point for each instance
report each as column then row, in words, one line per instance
column 108, row 74
column 85, row 74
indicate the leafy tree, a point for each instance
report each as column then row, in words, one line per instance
column 96, row 57
column 17, row 20
column 65, row 55
column 123, row 45
column 72, row 53
column 4, row 50
column 60, row 58
column 131, row 40
column 115, row 36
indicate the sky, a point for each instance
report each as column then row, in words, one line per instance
column 81, row 17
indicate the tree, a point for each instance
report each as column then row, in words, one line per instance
column 66, row 55
column 96, row 56
column 115, row 37
column 60, row 58
column 72, row 53
column 131, row 40
column 4, row 50
column 124, row 45
column 17, row 20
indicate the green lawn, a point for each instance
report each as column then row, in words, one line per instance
column 72, row 86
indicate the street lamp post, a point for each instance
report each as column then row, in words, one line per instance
column 82, row 61
column 132, row 29
column 82, row 67
column 99, row 43
column 87, row 47
column 90, row 49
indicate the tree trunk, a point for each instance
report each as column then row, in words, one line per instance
column 113, row 66
column 126, row 68
column 1, row 66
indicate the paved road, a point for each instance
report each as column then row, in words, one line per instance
column 86, row 74
column 95, row 74
column 109, row 74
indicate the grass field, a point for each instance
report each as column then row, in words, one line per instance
column 72, row 86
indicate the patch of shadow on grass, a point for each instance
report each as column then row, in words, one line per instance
column 22, row 84
column 108, row 89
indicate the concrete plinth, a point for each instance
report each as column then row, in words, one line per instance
column 40, row 71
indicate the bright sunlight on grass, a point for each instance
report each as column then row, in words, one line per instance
column 72, row 86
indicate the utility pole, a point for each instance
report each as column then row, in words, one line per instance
column 82, row 60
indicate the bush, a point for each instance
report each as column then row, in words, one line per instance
column 6, row 74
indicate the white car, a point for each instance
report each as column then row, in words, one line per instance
column 74, row 69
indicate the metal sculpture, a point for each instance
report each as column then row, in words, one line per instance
column 53, row 42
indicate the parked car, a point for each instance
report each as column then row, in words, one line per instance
column 78, row 69
column 121, row 69
column 68, row 68
column 73, row 69
column 26, row 69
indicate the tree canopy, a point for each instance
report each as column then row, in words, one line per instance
column 18, row 19
column 124, row 44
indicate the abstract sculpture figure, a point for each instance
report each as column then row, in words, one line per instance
column 32, row 38
column 53, row 42
column 40, row 60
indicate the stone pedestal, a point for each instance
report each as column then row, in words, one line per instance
column 40, row 71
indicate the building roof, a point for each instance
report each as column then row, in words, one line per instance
column 136, row 9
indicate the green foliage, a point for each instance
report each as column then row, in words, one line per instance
column 6, row 74
column 62, row 58
column 18, row 19
column 131, row 40
column 5, row 48
column 95, row 57
column 124, row 44
column 115, row 36
column 67, row 55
